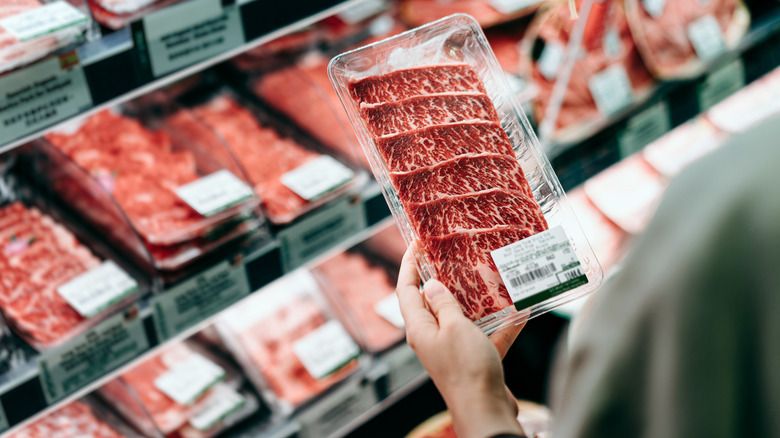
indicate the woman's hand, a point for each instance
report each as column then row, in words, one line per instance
column 463, row 363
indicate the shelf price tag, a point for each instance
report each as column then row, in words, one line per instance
column 188, row 32
column 42, row 94
column 198, row 298
column 321, row 231
column 80, row 361
column 336, row 410
column 643, row 128
column 721, row 83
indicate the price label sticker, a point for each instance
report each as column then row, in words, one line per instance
column 215, row 193
column 551, row 59
column 611, row 89
column 706, row 37
column 43, row 20
column 98, row 289
column 654, row 7
column 389, row 309
column 337, row 409
column 318, row 177
column 512, row 6
column 539, row 267
column 220, row 403
column 187, row 380
column 721, row 83
column 326, row 350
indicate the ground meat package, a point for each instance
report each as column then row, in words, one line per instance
column 676, row 38
column 287, row 342
column 83, row 418
column 463, row 172
column 183, row 391
column 119, row 13
column 165, row 197
column 31, row 29
column 53, row 285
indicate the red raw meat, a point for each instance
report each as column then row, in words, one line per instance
column 74, row 420
column 414, row 149
column 38, row 255
column 420, row 111
column 417, row 81
column 355, row 286
column 482, row 210
column 459, row 176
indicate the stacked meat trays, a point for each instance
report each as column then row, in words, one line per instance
column 78, row 419
column 437, row 140
column 288, row 344
column 183, row 391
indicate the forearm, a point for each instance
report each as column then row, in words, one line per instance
column 483, row 416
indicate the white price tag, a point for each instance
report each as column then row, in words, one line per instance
column 214, row 193
column 611, row 89
column 643, row 128
column 539, row 267
column 318, row 177
column 389, row 309
column 216, row 406
column 721, row 83
column 43, row 20
column 98, row 289
column 706, row 37
column 551, row 59
column 326, row 350
column 654, row 7
column 186, row 381
column 512, row 6
column 359, row 11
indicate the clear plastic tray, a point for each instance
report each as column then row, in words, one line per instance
column 459, row 39
column 31, row 29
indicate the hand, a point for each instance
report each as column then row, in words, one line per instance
column 462, row 362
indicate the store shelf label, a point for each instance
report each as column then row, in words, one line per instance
column 80, row 361
column 189, row 32
column 98, row 289
column 643, row 128
column 321, row 231
column 611, row 89
column 389, row 309
column 200, row 297
column 42, row 94
column 214, row 193
column 326, row 350
column 337, row 409
column 512, row 6
column 187, row 380
column 317, row 178
column 221, row 402
column 403, row 367
column 721, row 83
column 43, row 20
column 706, row 37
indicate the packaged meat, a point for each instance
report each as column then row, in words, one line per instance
column 486, row 12
column 387, row 242
column 607, row 239
column 119, row 13
column 79, row 419
column 287, row 343
column 275, row 52
column 627, row 193
column 181, row 196
column 682, row 146
column 677, row 38
column 53, row 286
column 749, row 106
column 606, row 76
column 362, row 294
column 31, row 29
column 182, row 391
column 463, row 172
column 269, row 159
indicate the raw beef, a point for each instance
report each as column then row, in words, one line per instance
column 354, row 287
column 421, row 111
column 482, row 210
column 417, row 81
column 38, row 255
column 264, row 155
column 414, row 149
column 74, row 420
column 663, row 39
column 460, row 176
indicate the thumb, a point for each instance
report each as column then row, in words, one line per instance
column 442, row 303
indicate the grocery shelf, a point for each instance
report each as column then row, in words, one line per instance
column 672, row 104
column 133, row 61
column 59, row 375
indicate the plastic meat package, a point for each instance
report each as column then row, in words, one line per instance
column 277, row 165
column 83, row 418
column 607, row 75
column 31, row 29
column 47, row 272
column 182, row 391
column 486, row 12
column 361, row 292
column 287, row 343
column 677, row 37
column 119, row 13
column 181, row 195
column 463, row 173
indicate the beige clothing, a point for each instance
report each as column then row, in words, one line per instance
column 685, row 340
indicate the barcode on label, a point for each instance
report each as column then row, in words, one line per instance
column 574, row 273
column 543, row 272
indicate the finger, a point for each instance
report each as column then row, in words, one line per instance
column 408, row 274
column 416, row 316
column 512, row 401
column 442, row 303
column 505, row 336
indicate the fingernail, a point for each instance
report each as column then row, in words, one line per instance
column 433, row 289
